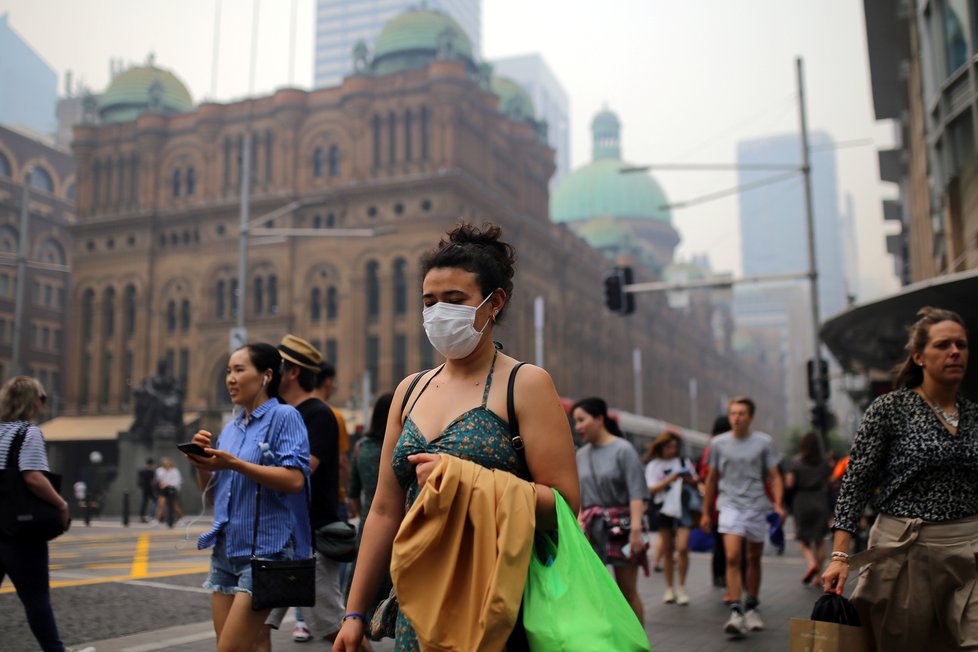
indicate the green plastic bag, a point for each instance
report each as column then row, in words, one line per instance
column 570, row 601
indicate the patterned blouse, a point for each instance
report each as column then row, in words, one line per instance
column 918, row 467
column 478, row 435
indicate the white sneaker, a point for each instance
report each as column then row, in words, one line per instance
column 753, row 620
column 735, row 626
column 669, row 596
column 301, row 633
column 682, row 598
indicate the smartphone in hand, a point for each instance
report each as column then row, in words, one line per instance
column 190, row 448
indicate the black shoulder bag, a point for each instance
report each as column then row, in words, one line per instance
column 278, row 583
column 23, row 515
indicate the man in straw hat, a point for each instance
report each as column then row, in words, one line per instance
column 300, row 364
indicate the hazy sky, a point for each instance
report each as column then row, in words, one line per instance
column 687, row 79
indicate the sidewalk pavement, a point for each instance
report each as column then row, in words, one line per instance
column 694, row 628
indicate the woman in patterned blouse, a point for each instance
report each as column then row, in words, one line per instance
column 917, row 449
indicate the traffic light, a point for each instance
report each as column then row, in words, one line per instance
column 823, row 419
column 824, row 384
column 615, row 297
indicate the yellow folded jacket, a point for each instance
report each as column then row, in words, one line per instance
column 461, row 555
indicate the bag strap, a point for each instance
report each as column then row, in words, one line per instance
column 13, row 453
column 514, row 422
column 261, row 455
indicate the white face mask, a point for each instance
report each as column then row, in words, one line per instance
column 451, row 328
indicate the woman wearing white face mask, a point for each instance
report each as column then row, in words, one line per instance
column 460, row 409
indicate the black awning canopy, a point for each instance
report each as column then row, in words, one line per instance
column 870, row 337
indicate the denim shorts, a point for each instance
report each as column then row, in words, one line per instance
column 230, row 575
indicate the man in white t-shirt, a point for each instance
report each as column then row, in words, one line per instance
column 741, row 462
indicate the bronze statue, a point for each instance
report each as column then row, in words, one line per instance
column 158, row 402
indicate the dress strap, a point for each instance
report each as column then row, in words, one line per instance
column 423, row 387
column 492, row 367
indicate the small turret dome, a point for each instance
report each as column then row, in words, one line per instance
column 143, row 88
column 514, row 101
column 416, row 37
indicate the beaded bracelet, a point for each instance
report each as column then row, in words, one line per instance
column 839, row 555
column 353, row 614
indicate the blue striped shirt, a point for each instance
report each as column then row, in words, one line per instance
column 33, row 457
column 283, row 515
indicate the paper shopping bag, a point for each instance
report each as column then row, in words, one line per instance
column 818, row 636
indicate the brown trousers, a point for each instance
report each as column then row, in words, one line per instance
column 918, row 589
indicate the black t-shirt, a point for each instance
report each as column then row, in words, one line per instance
column 324, row 438
column 146, row 477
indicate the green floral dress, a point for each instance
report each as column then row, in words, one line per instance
column 478, row 435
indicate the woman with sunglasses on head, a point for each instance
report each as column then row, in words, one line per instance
column 459, row 409
column 26, row 562
column 266, row 444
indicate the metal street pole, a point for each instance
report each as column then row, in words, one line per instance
column 538, row 324
column 240, row 335
column 22, row 252
column 806, row 170
column 637, row 381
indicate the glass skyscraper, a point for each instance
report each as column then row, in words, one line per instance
column 341, row 23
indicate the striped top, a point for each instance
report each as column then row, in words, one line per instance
column 33, row 457
column 284, row 516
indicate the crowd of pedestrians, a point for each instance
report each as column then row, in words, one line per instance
column 483, row 423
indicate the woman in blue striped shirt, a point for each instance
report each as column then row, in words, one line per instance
column 267, row 444
column 26, row 562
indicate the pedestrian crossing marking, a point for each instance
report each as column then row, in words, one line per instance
column 140, row 559
column 60, row 584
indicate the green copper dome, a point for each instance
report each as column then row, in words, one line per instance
column 600, row 188
column 514, row 101
column 415, row 37
column 143, row 88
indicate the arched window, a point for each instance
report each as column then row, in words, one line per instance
column 129, row 310
column 317, row 162
column 334, row 161
column 373, row 290
column 273, row 294
column 259, row 284
column 221, row 395
column 332, row 304
column 408, row 124
column 171, row 316
column 392, row 137
column 8, row 239
column 400, row 287
column 191, row 181
column 88, row 312
column 185, row 315
column 234, row 297
column 70, row 192
column 4, row 166
column 108, row 313
column 41, row 180
column 176, row 183
column 376, row 134
column 219, row 299
column 315, row 304
column 52, row 252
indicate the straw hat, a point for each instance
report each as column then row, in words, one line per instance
column 300, row 352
